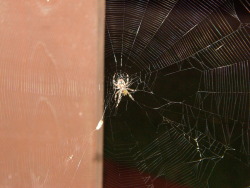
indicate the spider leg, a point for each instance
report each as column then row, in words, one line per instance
column 114, row 80
column 131, row 96
column 127, row 79
column 119, row 98
column 131, row 89
column 116, row 93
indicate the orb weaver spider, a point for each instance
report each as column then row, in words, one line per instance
column 122, row 88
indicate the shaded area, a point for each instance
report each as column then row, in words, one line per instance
column 189, row 64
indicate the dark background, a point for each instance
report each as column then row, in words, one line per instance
column 141, row 147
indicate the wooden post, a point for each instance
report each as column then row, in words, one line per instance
column 51, row 98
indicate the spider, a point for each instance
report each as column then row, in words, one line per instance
column 123, row 88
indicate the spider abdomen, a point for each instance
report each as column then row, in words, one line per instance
column 124, row 92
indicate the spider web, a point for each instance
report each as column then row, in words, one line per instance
column 189, row 125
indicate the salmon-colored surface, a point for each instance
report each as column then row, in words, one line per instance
column 51, row 71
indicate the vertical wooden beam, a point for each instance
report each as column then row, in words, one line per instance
column 51, row 82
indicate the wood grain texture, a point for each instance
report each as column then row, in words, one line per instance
column 51, row 82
